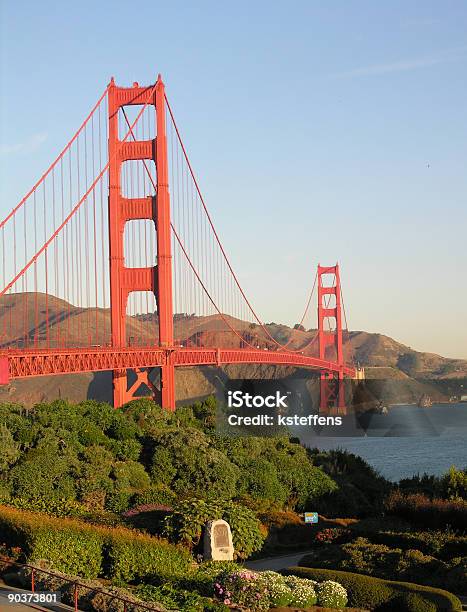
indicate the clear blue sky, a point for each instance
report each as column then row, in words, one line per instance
column 319, row 131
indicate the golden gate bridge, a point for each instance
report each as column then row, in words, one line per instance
column 112, row 262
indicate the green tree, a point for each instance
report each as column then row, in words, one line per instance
column 9, row 452
column 454, row 484
column 186, row 460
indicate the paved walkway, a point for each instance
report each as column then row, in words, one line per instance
column 276, row 563
column 22, row 607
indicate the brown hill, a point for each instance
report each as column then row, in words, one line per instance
column 23, row 323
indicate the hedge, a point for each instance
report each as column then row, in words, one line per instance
column 133, row 555
column 74, row 547
column 422, row 510
column 380, row 595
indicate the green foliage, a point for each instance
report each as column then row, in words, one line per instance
column 186, row 461
column 361, row 489
column 185, row 524
column 206, row 574
column 68, row 545
column 454, row 484
column 380, row 561
column 331, row 594
column 301, row 484
column 443, row 544
column 268, row 589
column 178, row 599
column 421, row 510
column 156, row 494
column 89, row 550
column 262, row 481
column 55, row 507
column 92, row 594
column 378, row 594
column 136, row 556
column 10, row 449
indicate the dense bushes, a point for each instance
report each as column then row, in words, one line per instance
column 264, row 590
column 381, row 561
column 441, row 544
column 380, row 595
column 111, row 460
column 186, row 461
column 276, row 470
column 185, row 524
column 361, row 489
column 422, row 510
column 88, row 550
column 452, row 485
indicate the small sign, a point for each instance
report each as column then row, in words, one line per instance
column 311, row 517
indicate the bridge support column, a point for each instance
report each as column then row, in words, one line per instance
column 125, row 280
column 119, row 381
column 168, row 387
column 332, row 387
column 4, row 371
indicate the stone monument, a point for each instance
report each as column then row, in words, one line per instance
column 218, row 544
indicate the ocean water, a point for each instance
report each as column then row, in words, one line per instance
column 408, row 441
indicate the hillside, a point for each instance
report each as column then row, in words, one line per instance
column 411, row 372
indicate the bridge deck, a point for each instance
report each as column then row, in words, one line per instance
column 23, row 363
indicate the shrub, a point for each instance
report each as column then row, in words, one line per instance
column 176, row 599
column 78, row 548
column 186, row 461
column 361, row 488
column 133, row 555
column 442, row 544
column 454, row 484
column 331, row 535
column 261, row 481
column 69, row 545
column 206, row 575
column 422, row 510
column 280, row 593
column 242, row 588
column 55, row 507
column 379, row 560
column 156, row 494
column 263, row 590
column 185, row 524
column 331, row 594
column 303, row 591
column 378, row 594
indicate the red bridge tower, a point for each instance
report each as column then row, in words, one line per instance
column 157, row 279
column 330, row 315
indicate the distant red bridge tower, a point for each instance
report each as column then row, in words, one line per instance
column 330, row 315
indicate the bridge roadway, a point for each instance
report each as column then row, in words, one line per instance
column 16, row 363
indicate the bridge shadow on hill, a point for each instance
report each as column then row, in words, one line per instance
column 100, row 387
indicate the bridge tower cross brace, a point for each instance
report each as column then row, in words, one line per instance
column 124, row 280
column 332, row 390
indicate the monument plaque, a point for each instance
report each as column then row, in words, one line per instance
column 218, row 544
